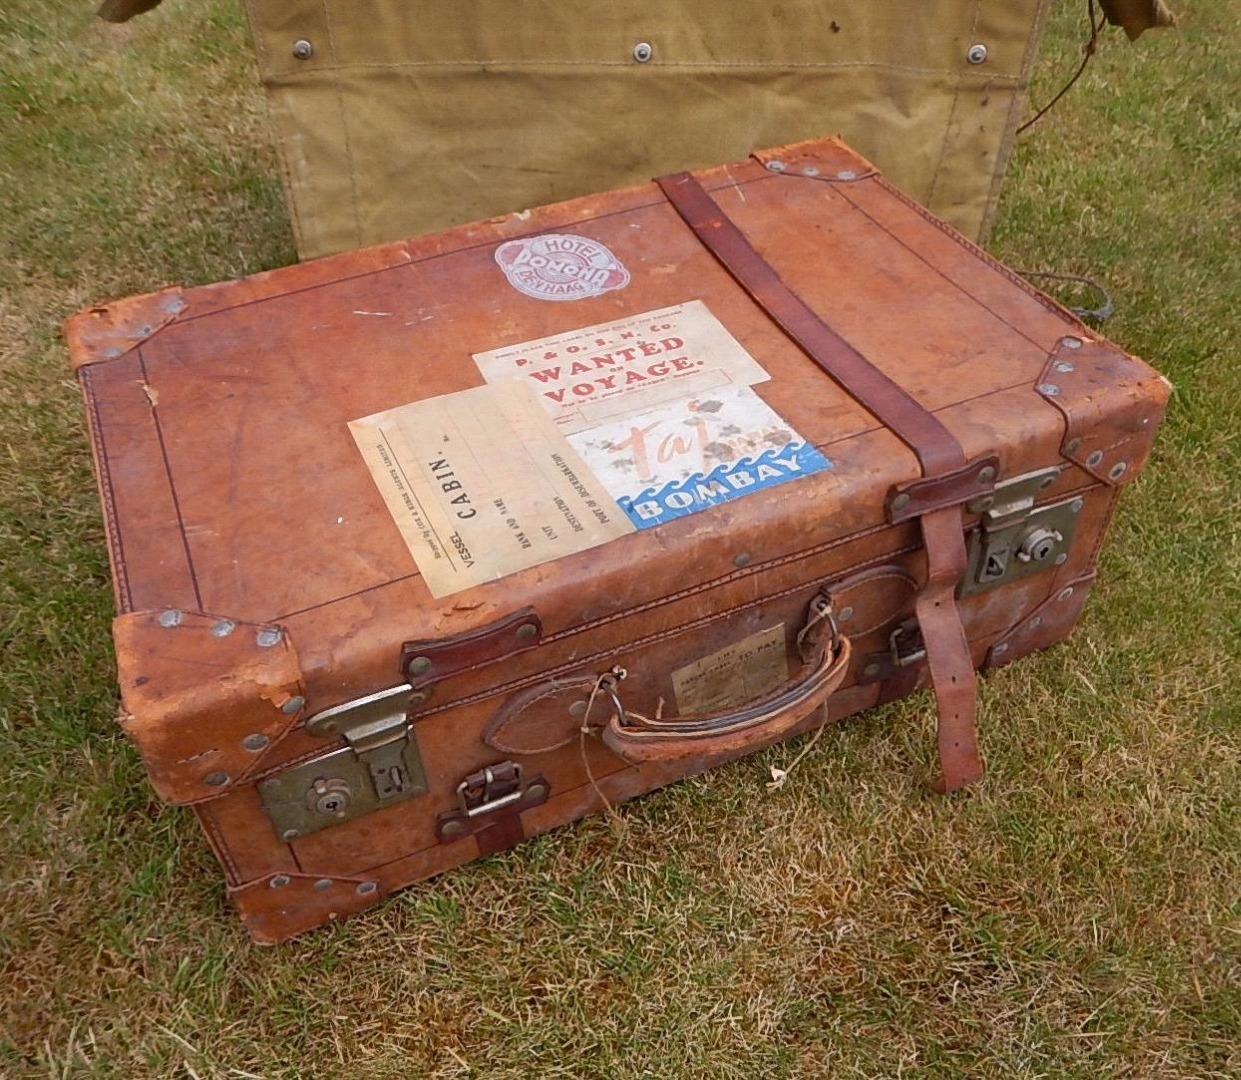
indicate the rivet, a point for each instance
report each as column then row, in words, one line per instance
column 776, row 166
column 267, row 637
column 537, row 791
column 452, row 828
column 279, row 881
column 420, row 665
column 1064, row 367
column 900, row 501
column 1118, row 470
column 1047, row 481
column 527, row 632
column 1049, row 389
column 983, row 505
column 293, row 705
column 1065, row 593
column 170, row 618
column 1076, row 506
column 1000, row 649
column 419, row 697
column 642, row 52
column 112, row 352
column 1095, row 457
column 846, row 174
column 176, row 305
column 290, row 834
column 870, row 671
column 1061, row 559
column 986, row 474
column 1071, row 342
column 303, row 50
column 366, row 888
column 976, row 54
column 742, row 559
column 223, row 628
column 215, row 779
column 1072, row 446
column 322, row 884
column 255, row 742
column 1036, row 622
column 145, row 331
column 845, row 615
column 578, row 708
column 810, row 170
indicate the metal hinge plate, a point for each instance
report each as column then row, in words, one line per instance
column 1014, row 537
column 380, row 766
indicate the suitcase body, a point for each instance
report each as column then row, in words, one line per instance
column 426, row 548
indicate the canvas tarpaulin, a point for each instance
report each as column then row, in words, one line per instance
column 397, row 117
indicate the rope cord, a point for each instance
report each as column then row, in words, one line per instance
column 1091, row 46
column 1099, row 314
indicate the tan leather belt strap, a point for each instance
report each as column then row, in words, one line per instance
column 938, row 452
column 948, row 650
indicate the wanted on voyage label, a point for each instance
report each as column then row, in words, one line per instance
column 481, row 485
column 586, row 377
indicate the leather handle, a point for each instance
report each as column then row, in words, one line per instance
column 638, row 739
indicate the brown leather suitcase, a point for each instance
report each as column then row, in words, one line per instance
column 426, row 548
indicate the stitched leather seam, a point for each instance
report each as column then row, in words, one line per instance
column 124, row 598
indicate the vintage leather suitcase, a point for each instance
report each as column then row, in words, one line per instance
column 429, row 547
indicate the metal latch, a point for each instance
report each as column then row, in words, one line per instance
column 1016, row 538
column 488, row 791
column 379, row 766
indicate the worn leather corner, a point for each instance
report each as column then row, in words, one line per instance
column 1052, row 621
column 819, row 159
column 109, row 331
column 279, row 906
column 1112, row 405
column 205, row 698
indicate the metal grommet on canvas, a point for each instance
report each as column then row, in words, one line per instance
column 642, row 52
column 303, row 49
column 976, row 53
column 170, row 618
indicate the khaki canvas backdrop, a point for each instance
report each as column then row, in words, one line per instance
column 396, row 117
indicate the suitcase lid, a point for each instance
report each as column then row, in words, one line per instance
column 241, row 513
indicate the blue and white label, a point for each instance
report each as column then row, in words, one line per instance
column 695, row 453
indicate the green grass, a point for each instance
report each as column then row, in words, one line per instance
column 1075, row 917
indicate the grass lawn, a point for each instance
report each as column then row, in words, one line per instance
column 1077, row 916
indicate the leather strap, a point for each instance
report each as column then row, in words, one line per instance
column 948, row 650
column 937, row 450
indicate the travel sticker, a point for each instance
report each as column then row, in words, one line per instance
column 560, row 266
column 588, row 376
column 695, row 453
column 481, row 484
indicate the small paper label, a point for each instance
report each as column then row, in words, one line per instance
column 481, row 484
column 695, row 453
column 585, row 377
column 745, row 672
column 560, row 266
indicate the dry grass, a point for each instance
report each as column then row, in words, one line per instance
column 1076, row 917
